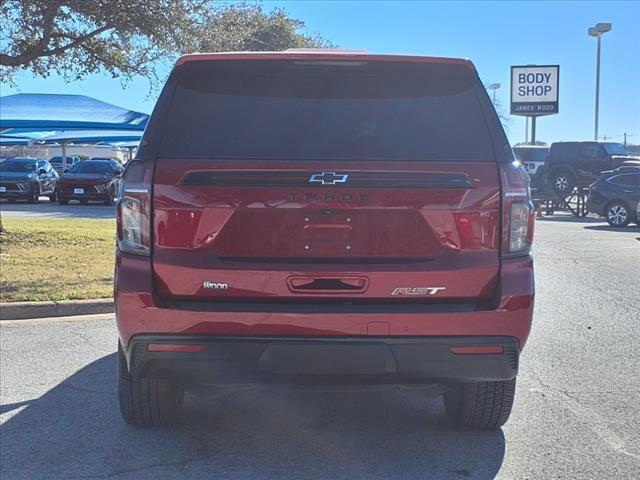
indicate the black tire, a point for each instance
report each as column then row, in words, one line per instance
column 481, row 405
column 617, row 214
column 562, row 181
column 35, row 198
column 53, row 197
column 109, row 201
column 147, row 402
column 63, row 201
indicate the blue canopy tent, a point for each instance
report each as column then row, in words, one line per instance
column 64, row 119
column 40, row 111
column 10, row 140
column 128, row 139
column 92, row 136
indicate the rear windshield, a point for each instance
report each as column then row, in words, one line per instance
column 326, row 110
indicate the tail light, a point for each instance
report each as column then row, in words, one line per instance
column 134, row 209
column 518, row 215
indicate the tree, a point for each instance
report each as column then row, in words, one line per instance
column 246, row 27
column 127, row 38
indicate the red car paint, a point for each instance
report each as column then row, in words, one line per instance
column 261, row 240
column 98, row 182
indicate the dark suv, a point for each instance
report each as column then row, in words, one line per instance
column 90, row 180
column 27, row 179
column 323, row 217
column 578, row 164
column 616, row 195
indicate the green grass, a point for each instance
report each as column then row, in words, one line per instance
column 56, row 259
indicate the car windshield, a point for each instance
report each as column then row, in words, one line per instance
column 615, row 148
column 92, row 167
column 22, row 166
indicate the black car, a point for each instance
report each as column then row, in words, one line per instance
column 27, row 179
column 578, row 164
column 615, row 195
column 533, row 158
column 90, row 180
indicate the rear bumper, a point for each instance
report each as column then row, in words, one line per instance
column 222, row 360
column 401, row 344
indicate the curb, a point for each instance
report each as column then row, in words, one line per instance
column 66, row 308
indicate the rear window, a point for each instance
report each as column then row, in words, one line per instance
column 525, row 154
column 326, row 110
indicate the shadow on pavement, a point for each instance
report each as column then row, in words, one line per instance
column 75, row 431
column 569, row 219
column 608, row 228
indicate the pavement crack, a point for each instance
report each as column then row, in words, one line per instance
column 135, row 470
column 590, row 418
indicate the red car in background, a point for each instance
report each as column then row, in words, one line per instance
column 323, row 217
column 90, row 180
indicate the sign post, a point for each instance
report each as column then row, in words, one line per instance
column 534, row 92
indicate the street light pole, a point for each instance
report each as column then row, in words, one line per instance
column 595, row 130
column 494, row 87
column 597, row 32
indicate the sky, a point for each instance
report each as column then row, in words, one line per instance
column 494, row 35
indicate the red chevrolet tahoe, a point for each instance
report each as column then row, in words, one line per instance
column 331, row 217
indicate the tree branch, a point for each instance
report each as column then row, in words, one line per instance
column 32, row 54
column 48, row 16
column 76, row 42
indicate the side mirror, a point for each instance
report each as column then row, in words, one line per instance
column 42, row 171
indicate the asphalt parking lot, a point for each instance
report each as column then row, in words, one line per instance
column 53, row 210
column 576, row 415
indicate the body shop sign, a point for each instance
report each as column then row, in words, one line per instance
column 534, row 90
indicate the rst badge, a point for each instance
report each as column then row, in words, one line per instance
column 417, row 291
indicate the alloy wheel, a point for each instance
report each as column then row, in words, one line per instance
column 562, row 183
column 617, row 215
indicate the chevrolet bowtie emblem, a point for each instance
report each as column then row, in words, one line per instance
column 328, row 178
